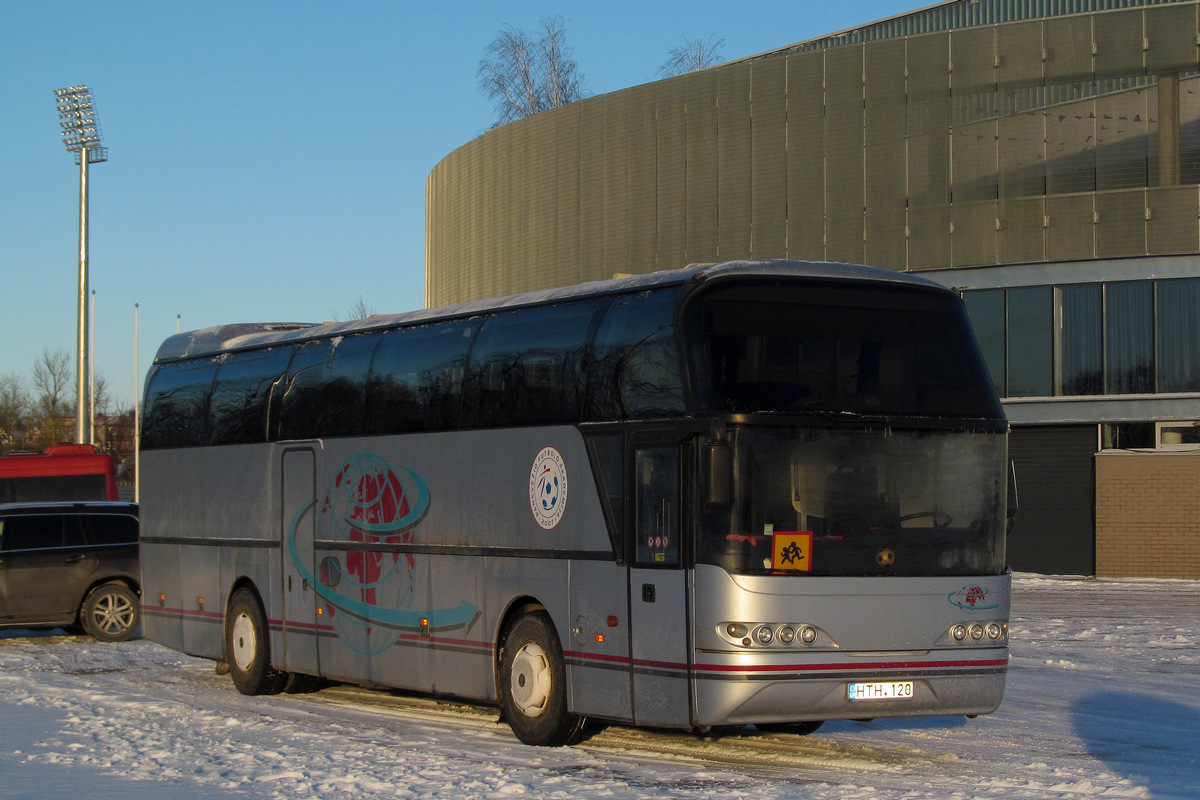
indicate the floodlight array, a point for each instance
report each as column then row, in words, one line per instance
column 77, row 117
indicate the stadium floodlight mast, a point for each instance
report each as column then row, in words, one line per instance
column 81, row 135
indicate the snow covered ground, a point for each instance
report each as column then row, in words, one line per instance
column 1103, row 701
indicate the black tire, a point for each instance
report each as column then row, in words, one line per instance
column 248, row 646
column 797, row 728
column 299, row 683
column 110, row 613
column 533, row 684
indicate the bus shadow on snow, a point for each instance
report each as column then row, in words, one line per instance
column 1150, row 741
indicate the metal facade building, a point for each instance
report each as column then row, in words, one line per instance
column 1043, row 157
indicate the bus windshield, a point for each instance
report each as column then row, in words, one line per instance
column 812, row 501
column 847, row 349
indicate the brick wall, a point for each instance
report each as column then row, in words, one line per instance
column 1147, row 514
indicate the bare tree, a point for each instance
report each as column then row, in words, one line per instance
column 361, row 309
column 100, row 394
column 15, row 406
column 52, row 380
column 564, row 83
column 524, row 75
column 692, row 55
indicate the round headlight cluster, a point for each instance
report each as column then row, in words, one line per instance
column 768, row 634
column 978, row 631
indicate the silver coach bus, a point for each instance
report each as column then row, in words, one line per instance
column 768, row 493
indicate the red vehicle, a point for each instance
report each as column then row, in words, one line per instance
column 62, row 472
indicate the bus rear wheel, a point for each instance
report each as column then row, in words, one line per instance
column 533, row 684
column 247, row 647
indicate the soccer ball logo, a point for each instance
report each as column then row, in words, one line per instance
column 548, row 488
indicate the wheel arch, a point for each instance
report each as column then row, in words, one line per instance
column 517, row 608
column 243, row 582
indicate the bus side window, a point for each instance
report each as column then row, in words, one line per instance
column 656, row 475
column 242, row 392
column 634, row 369
column 177, row 397
column 527, row 366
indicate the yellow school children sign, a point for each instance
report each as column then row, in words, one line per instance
column 793, row 552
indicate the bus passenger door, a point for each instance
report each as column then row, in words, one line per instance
column 299, row 514
column 658, row 602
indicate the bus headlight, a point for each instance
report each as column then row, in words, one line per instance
column 736, row 630
column 764, row 635
column 786, row 634
column 994, row 631
column 808, row 634
column 959, row 633
column 976, row 631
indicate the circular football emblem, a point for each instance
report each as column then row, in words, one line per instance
column 548, row 488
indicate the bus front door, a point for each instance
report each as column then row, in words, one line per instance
column 658, row 601
column 300, row 633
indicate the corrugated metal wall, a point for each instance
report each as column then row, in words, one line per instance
column 1002, row 142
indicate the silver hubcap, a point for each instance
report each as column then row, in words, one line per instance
column 532, row 680
column 113, row 613
column 245, row 642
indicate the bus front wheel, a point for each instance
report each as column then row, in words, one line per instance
column 533, row 684
column 247, row 648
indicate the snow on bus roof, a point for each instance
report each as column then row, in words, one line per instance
column 240, row 336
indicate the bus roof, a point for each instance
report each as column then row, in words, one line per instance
column 243, row 336
column 61, row 459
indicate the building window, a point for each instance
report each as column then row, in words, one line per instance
column 1178, row 335
column 1131, row 337
column 986, row 310
column 1030, row 342
column 1081, row 362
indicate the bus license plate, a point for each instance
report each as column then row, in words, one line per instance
column 884, row 690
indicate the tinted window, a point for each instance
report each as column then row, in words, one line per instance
column 73, row 535
column 31, row 532
column 1082, row 367
column 326, row 388
column 416, row 380
column 986, row 309
column 1030, row 342
column 1178, row 336
column 527, row 367
column 53, row 487
column 177, row 398
column 859, row 349
column 1129, row 337
column 656, row 482
column 241, row 396
column 634, row 371
column 110, row 528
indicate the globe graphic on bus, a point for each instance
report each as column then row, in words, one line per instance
column 368, row 501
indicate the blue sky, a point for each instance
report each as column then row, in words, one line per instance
column 267, row 160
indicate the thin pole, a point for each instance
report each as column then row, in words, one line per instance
column 137, row 417
column 92, row 372
column 83, row 430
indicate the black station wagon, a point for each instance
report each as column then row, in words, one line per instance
column 69, row 565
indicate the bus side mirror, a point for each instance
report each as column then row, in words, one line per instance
column 718, row 473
